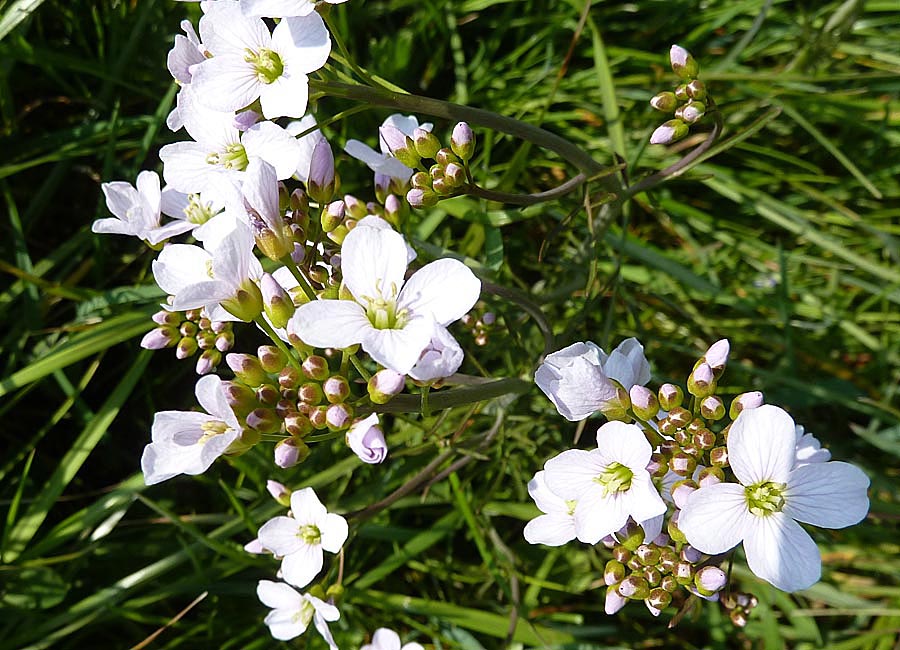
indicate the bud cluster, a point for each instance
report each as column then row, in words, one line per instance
column 687, row 103
column 449, row 173
column 273, row 396
column 190, row 332
column 480, row 323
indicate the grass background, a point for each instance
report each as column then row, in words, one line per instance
column 786, row 242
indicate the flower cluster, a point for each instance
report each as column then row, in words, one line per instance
column 686, row 101
column 673, row 485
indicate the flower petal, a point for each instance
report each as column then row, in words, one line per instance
column 780, row 552
column 287, row 96
column 715, row 518
column 373, row 261
column 279, row 535
column 571, row 474
column 330, row 323
column 399, row 349
column 624, row 443
column 300, row 567
column 444, row 289
column 302, row 42
column 830, row 495
column 761, row 445
column 278, row 595
column 334, row 532
column 550, row 530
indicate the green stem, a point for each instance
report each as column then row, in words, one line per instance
column 446, row 399
column 265, row 327
column 527, row 199
column 299, row 277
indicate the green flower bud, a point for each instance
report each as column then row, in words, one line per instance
column 426, row 143
column 247, row 369
column 696, row 89
column 664, row 101
column 186, row 347
column 683, row 64
column 712, row 408
column 247, row 303
column 462, row 141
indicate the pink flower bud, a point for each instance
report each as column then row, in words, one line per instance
column 614, row 602
column 280, row 492
column 207, row 361
column 321, row 172
column 289, row 452
column 709, row 580
column 338, row 416
column 366, row 439
column 384, row 384
column 276, row 302
column 160, row 337
column 683, row 64
column 717, row 354
column 669, row 132
column 462, row 141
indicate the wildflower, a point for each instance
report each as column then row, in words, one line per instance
column 774, row 494
column 394, row 321
column 292, row 612
column 384, row 163
column 557, row 525
column 251, row 63
column 609, row 483
column 386, row 639
column 300, row 539
column 366, row 439
column 187, row 442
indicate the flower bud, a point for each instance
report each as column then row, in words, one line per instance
column 613, row 573
column 160, row 337
column 712, row 408
column 670, row 396
column 247, row 368
column 621, row 554
column 321, row 183
column 658, row 600
column 310, row 393
column 264, row 420
column 186, row 347
column 333, row 215
column 268, row 395
column 289, row 452
column 681, row 490
column 717, row 356
column 165, row 317
column 354, row 207
column 394, row 210
column 669, row 132
column 444, row 157
column 247, row 303
column 664, row 101
column 426, row 143
column 647, row 554
column 188, row 329
column 289, row 378
column 422, row 198
column 240, row 398
column 455, row 175
column 366, row 439
column 718, row 456
column 691, row 112
column 643, row 402
column 225, row 341
column 696, row 89
column 206, row 340
column 614, row 600
column 280, row 492
column 277, row 302
column 207, row 361
column 709, row 580
column 750, row 400
column 703, row 439
column 421, row 180
column 673, row 530
column 384, row 384
column 462, row 141
column 297, row 424
column 634, row 587
column 272, row 359
column 316, row 368
column 338, row 416
column 617, row 407
column 400, row 145
column 318, row 416
column 683, row 64
column 652, row 575
column 701, row 382
column 631, row 536
column 336, row 389
column 710, row 476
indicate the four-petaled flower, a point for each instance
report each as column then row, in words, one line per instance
column 300, row 539
column 775, row 492
column 292, row 612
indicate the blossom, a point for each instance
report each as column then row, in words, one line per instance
column 366, row 439
column 222, row 279
column 387, row 639
column 441, row 358
column 808, row 449
column 384, row 163
column 577, row 379
column 300, row 539
column 557, row 525
column 394, row 321
column 187, row 442
column 292, row 612
column 774, row 494
column 281, row 8
column 251, row 63
column 609, row 483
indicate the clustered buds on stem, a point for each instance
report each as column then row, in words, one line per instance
column 685, row 103
column 448, row 175
column 190, row 332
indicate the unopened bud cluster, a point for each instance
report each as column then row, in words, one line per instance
column 687, row 103
column 191, row 332
column 655, row 572
column 480, row 322
column 273, row 396
column 448, row 172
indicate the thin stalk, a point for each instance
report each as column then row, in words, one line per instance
column 270, row 332
column 456, row 396
column 299, row 277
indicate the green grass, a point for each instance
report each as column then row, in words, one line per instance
column 785, row 241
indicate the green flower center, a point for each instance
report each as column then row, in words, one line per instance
column 765, row 498
column 197, row 212
column 310, row 534
column 570, row 507
column 233, row 156
column 383, row 313
column 266, row 63
column 304, row 614
column 615, row 478
column 211, row 429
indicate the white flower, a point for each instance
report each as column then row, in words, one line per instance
column 300, row 539
column 249, row 63
column 609, row 483
column 384, row 162
column 191, row 211
column 577, row 378
column 307, row 143
column 441, row 358
column 216, row 279
column 393, row 321
column 292, row 612
column 808, row 449
column 557, row 525
column 187, row 442
column 773, row 495
column 366, row 439
column 281, row 8
column 187, row 52
column 136, row 209
column 387, row 639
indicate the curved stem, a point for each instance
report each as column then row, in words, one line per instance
column 527, row 199
column 446, row 399
column 451, row 111
column 530, row 307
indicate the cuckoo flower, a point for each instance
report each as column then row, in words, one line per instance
column 292, row 612
column 394, row 321
column 187, row 442
column 774, row 494
column 136, row 207
column 387, row 639
column 251, row 63
column 609, row 483
column 557, row 525
column 577, row 379
column 300, row 539
column 384, row 163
